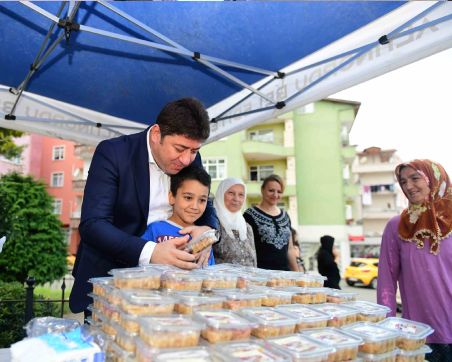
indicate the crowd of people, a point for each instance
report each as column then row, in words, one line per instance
column 147, row 195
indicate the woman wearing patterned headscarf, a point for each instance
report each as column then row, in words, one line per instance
column 416, row 253
column 237, row 241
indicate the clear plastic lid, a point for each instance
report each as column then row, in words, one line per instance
column 374, row 357
column 220, row 319
column 305, row 313
column 193, row 354
column 101, row 281
column 203, row 241
column 116, row 353
column 310, row 280
column 238, row 294
column 245, row 279
column 370, row 332
column 368, row 308
column 270, row 292
column 339, row 296
column 216, row 279
column 407, row 328
column 135, row 273
column 182, row 275
column 335, row 310
column 249, row 351
column 171, row 323
column 266, row 316
column 305, row 290
column 302, row 347
column 334, row 337
column 145, row 297
column 423, row 350
column 197, row 300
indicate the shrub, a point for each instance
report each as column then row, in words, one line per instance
column 12, row 314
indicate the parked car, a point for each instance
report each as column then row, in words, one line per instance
column 363, row 271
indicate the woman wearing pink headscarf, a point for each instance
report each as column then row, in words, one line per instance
column 236, row 245
column 416, row 254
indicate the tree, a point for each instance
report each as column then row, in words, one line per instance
column 7, row 146
column 34, row 240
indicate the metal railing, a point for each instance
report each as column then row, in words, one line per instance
column 29, row 301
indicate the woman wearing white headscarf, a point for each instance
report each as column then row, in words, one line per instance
column 236, row 245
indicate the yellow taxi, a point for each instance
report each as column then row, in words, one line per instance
column 363, row 271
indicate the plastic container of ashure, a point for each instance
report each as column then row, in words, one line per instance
column 345, row 344
column 187, row 304
column 272, row 297
column 368, row 311
column 201, row 242
column 216, row 279
column 269, row 322
column 412, row 335
column 181, row 280
column 235, row 299
column 171, row 331
column 136, row 278
column 245, row 280
column 278, row 278
column 124, row 339
column 305, row 295
column 302, row 348
column 118, row 354
column 340, row 314
column 198, row 354
column 101, row 304
column 310, row 280
column 129, row 322
column 308, row 317
column 249, row 351
column 417, row 355
column 339, row 296
column 144, row 302
column 223, row 326
column 100, row 285
column 390, row 356
column 376, row 339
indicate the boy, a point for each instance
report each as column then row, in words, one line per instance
column 189, row 192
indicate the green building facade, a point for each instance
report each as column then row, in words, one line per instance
column 309, row 148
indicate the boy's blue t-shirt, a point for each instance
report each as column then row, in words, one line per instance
column 162, row 230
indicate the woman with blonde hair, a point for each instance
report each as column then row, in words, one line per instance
column 272, row 228
column 416, row 254
column 236, row 245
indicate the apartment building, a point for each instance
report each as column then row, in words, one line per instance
column 53, row 161
column 310, row 149
column 381, row 197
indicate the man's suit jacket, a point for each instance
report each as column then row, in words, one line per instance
column 114, row 212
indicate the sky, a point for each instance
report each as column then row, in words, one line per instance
column 409, row 109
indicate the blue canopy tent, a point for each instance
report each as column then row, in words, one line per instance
column 86, row 71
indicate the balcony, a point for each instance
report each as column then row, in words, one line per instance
column 265, row 151
column 75, row 219
column 78, row 185
column 84, row 151
column 253, row 189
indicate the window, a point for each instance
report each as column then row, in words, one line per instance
column 258, row 173
column 57, row 179
column 215, row 167
column 262, row 135
column 57, row 206
column 58, row 153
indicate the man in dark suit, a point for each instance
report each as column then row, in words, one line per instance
column 127, row 188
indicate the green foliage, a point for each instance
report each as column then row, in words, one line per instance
column 34, row 239
column 12, row 314
column 7, row 146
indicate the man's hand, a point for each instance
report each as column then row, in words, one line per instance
column 203, row 257
column 168, row 253
column 194, row 230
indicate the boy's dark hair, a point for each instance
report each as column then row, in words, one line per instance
column 187, row 117
column 190, row 172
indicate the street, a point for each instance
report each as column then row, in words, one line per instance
column 364, row 293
